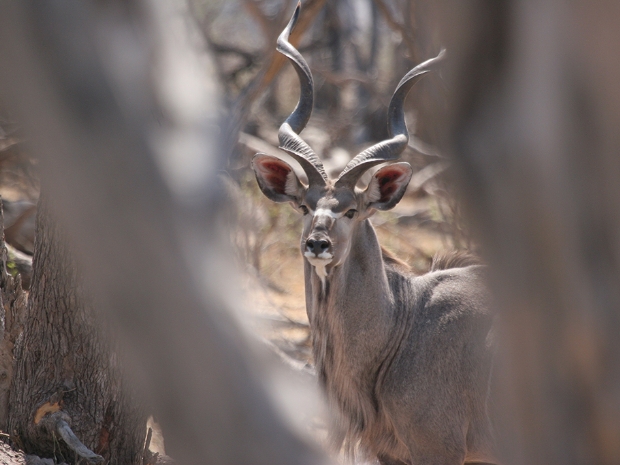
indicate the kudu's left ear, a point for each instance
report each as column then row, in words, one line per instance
column 388, row 185
column 276, row 178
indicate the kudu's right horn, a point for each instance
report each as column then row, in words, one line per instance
column 288, row 134
column 389, row 149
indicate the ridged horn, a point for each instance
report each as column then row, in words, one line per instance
column 288, row 134
column 389, row 149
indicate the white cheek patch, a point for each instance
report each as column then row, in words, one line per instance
column 322, row 256
column 326, row 212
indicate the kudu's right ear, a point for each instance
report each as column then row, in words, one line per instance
column 388, row 185
column 276, row 179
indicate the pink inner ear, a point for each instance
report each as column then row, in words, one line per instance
column 389, row 183
column 275, row 174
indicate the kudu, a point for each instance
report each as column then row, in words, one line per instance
column 404, row 358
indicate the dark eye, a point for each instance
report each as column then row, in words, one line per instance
column 304, row 209
column 351, row 213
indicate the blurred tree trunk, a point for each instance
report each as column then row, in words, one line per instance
column 65, row 368
column 90, row 112
column 534, row 129
column 12, row 310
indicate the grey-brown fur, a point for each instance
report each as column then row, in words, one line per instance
column 454, row 259
column 403, row 359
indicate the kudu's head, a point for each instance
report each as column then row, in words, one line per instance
column 333, row 209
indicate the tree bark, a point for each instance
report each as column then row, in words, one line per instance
column 65, row 368
column 12, row 312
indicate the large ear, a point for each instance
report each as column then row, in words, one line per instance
column 388, row 185
column 276, row 178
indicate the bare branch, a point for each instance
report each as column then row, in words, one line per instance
column 427, row 173
column 306, row 17
column 271, row 69
column 147, row 443
column 8, row 142
column 394, row 24
column 67, row 434
column 265, row 23
column 227, row 48
column 340, row 78
column 417, row 144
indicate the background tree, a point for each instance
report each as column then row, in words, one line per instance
column 67, row 372
column 12, row 312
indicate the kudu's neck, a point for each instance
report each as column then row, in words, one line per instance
column 352, row 323
column 362, row 272
column 356, row 293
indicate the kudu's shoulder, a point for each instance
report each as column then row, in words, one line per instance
column 454, row 293
column 449, row 325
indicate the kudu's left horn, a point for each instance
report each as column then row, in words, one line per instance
column 389, row 149
column 288, row 134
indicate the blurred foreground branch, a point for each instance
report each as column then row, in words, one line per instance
column 80, row 78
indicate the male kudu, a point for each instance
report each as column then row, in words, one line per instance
column 403, row 358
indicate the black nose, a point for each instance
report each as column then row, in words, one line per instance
column 317, row 246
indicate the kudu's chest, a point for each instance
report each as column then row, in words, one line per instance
column 352, row 352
